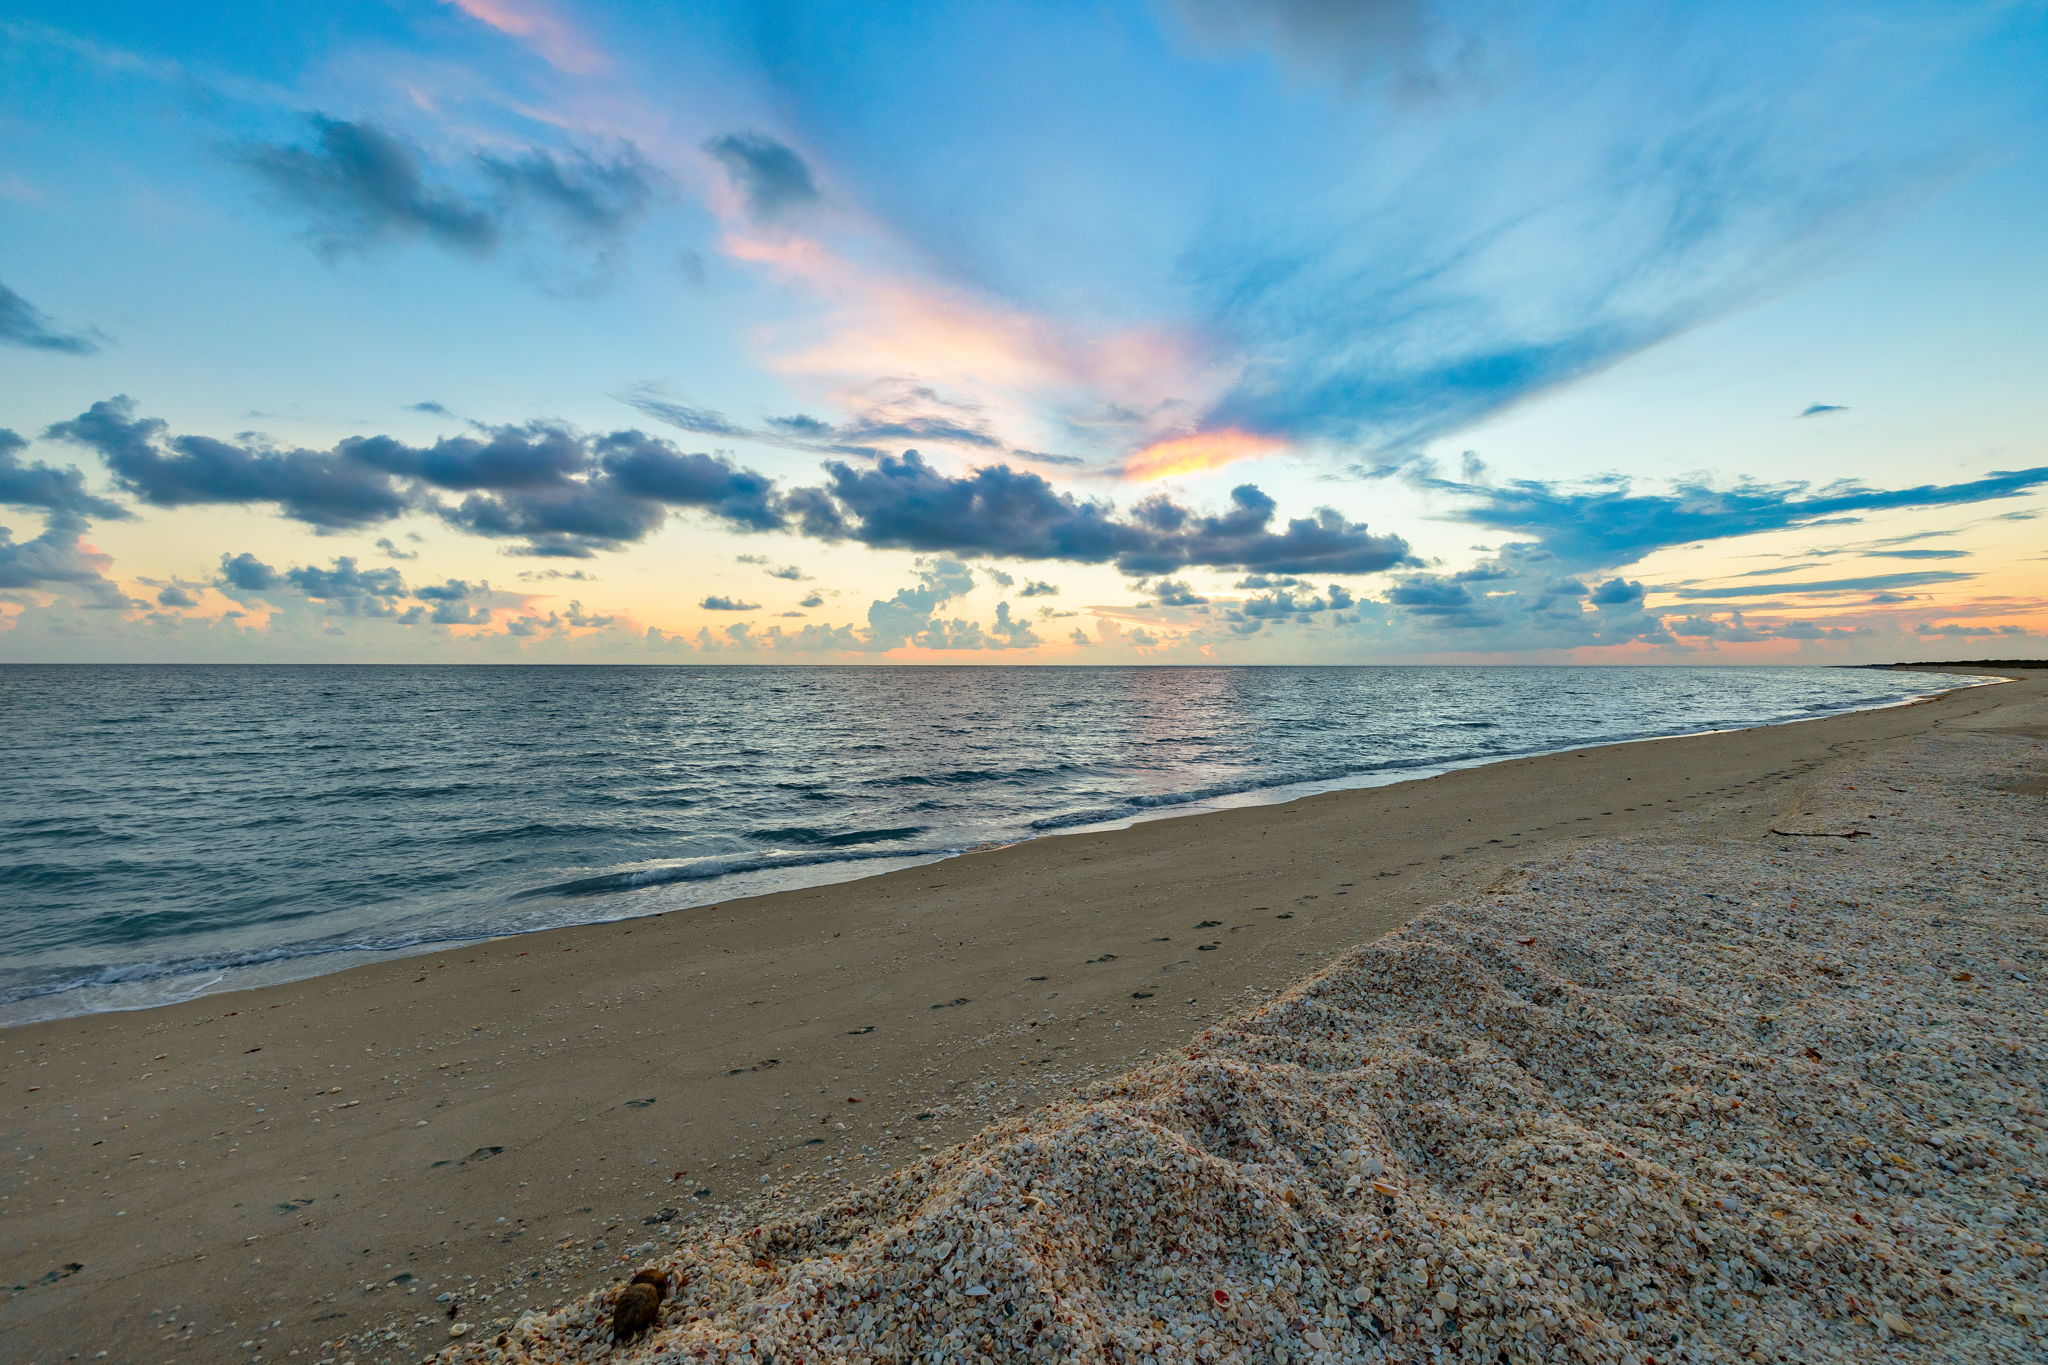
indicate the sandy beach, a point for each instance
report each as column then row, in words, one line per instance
column 347, row 1168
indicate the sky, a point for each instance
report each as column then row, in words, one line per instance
column 1117, row 331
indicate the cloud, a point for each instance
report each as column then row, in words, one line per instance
column 1821, row 409
column 1037, row 589
column 1611, row 522
column 884, row 413
column 812, row 599
column 903, row 503
column 728, row 604
column 360, row 186
column 1174, row 592
column 346, row 579
column 591, row 198
column 24, row 324
column 788, row 572
column 1576, row 196
column 175, row 596
column 47, row 487
column 538, row 27
column 1968, row 630
column 246, row 573
column 392, row 551
column 59, row 557
column 430, row 407
column 562, row 493
column 1869, row 583
column 771, row 179
column 323, row 488
column 1916, row 554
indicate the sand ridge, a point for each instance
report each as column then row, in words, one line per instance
column 1750, row 1097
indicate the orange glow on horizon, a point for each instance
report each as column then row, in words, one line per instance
column 1203, row 450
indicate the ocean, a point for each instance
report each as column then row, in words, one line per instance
column 166, row 831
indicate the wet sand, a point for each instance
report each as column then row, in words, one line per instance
column 308, row 1168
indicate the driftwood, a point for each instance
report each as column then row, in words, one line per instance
column 1822, row 834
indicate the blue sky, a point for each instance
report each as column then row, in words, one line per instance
column 1169, row 330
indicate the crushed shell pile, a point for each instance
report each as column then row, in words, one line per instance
column 1760, row 1099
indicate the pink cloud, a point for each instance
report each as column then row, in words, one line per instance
column 539, row 28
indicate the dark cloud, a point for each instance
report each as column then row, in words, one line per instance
column 1615, row 592
column 1869, row 583
column 1176, row 592
column 1037, row 589
column 903, row 503
column 360, row 186
column 392, row 551
column 346, row 579
column 562, row 493
column 1916, row 554
column 430, row 407
column 175, row 596
column 812, row 599
column 324, row 488
column 715, row 603
column 646, row 467
column 246, row 573
column 1611, row 523
column 1820, row 409
column 58, row 558
column 47, row 487
column 774, row 181
column 24, row 324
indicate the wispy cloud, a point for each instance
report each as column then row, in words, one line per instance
column 1613, row 522
column 360, row 185
column 1828, row 586
column 24, row 324
column 539, row 28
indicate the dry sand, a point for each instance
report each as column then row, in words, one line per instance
column 306, row 1169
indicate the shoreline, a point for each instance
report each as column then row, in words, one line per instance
column 151, row 990
column 373, row 1133
column 1594, row 1112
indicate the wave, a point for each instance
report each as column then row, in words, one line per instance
column 825, row 838
column 707, row 869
